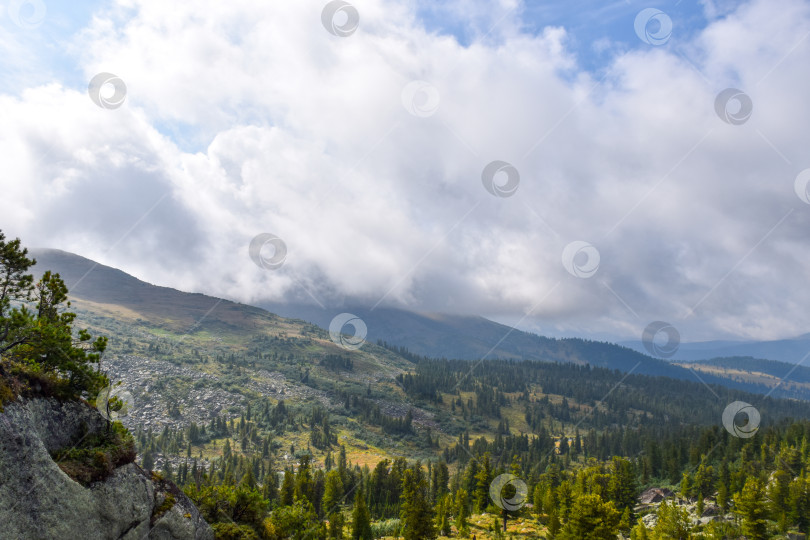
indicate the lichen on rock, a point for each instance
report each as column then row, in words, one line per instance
column 39, row 501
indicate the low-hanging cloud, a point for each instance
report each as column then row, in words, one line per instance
column 241, row 119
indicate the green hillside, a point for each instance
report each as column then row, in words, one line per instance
column 224, row 394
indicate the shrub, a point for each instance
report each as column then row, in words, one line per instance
column 390, row 527
column 96, row 456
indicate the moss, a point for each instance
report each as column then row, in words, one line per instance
column 96, row 456
column 6, row 393
column 165, row 506
column 19, row 380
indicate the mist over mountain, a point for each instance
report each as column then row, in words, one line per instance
column 429, row 335
column 217, row 392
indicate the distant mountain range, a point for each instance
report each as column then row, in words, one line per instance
column 103, row 288
column 791, row 351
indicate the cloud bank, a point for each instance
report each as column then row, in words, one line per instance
column 365, row 155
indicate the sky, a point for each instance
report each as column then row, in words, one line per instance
column 572, row 168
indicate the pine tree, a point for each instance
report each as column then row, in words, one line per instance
column 342, row 466
column 626, row 520
column 462, row 511
column 333, row 492
column 336, row 523
column 779, row 495
column 799, row 503
column 623, row 486
column 248, row 479
column 287, row 488
column 751, row 505
column 686, row 485
column 443, row 514
column 361, row 519
column 592, row 519
column 483, row 479
column 639, row 532
column 416, row 512
column 722, row 497
column 553, row 523
column 148, row 461
column 440, row 478
column 303, row 480
column 673, row 522
column 40, row 338
column 539, row 496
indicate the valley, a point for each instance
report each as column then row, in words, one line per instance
column 218, row 391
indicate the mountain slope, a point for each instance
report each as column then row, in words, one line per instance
column 757, row 375
column 437, row 335
column 791, row 351
column 119, row 292
column 474, row 338
column 280, row 388
column 102, row 290
column 434, row 335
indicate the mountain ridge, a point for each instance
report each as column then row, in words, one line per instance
column 97, row 286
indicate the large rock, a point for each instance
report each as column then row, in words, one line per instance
column 39, row 501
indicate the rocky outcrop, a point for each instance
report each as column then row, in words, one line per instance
column 39, row 501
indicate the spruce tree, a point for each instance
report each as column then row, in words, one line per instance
column 443, row 514
column 287, row 488
column 751, row 505
column 303, row 480
column 361, row 519
column 592, row 519
column 799, row 503
column 333, row 492
column 483, row 479
column 462, row 511
column 416, row 512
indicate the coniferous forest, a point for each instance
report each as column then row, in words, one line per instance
column 510, row 449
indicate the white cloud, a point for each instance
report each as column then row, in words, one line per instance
column 243, row 118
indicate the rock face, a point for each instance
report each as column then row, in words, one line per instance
column 39, row 501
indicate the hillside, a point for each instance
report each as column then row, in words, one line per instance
column 757, row 375
column 101, row 291
column 219, row 391
column 790, row 351
column 208, row 356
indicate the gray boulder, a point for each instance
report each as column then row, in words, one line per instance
column 39, row 501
